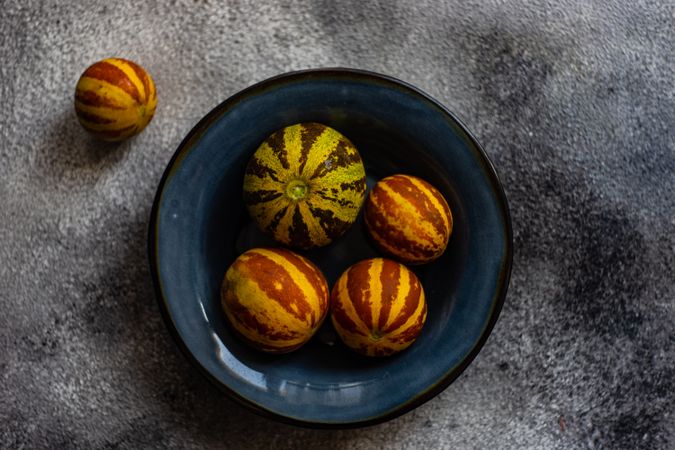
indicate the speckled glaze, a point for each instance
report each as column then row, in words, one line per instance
column 199, row 226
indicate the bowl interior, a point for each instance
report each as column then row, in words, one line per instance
column 201, row 226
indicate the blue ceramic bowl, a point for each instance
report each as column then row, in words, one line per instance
column 199, row 226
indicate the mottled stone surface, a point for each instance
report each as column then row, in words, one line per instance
column 573, row 100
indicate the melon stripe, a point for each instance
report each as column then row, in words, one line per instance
column 350, row 200
column 319, row 226
column 133, row 78
column 108, row 72
column 330, row 224
column 257, row 169
column 375, row 293
column 340, row 156
column 261, row 196
column 283, row 229
column 90, row 98
column 249, row 320
column 412, row 302
column 404, row 286
column 359, row 294
column 436, row 200
column 412, row 328
column 418, row 197
column 137, row 76
column 385, row 198
column 279, row 286
column 336, row 200
column 339, row 208
column 93, row 118
column 273, row 315
column 277, row 145
column 393, row 238
column 323, row 146
column 122, row 119
column 390, row 245
column 115, row 93
column 299, row 230
column 148, row 85
column 343, row 323
column 143, row 77
column 390, row 280
column 302, row 273
column 334, row 176
column 276, row 219
column 357, row 185
column 309, row 137
column 290, row 149
column 344, row 313
column 114, row 125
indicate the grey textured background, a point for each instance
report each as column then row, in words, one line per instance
column 573, row 100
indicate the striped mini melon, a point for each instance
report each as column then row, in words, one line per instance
column 305, row 185
column 274, row 299
column 408, row 219
column 378, row 307
column 115, row 99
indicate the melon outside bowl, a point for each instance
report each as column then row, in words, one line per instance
column 199, row 225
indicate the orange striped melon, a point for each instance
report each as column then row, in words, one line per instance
column 378, row 307
column 115, row 99
column 305, row 185
column 274, row 299
column 408, row 219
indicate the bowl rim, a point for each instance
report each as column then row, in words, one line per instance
column 186, row 145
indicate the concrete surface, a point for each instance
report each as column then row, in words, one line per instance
column 572, row 99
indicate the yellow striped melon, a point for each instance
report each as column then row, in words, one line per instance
column 115, row 99
column 408, row 219
column 378, row 307
column 274, row 299
column 305, row 185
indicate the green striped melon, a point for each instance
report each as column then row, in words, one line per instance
column 305, row 185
